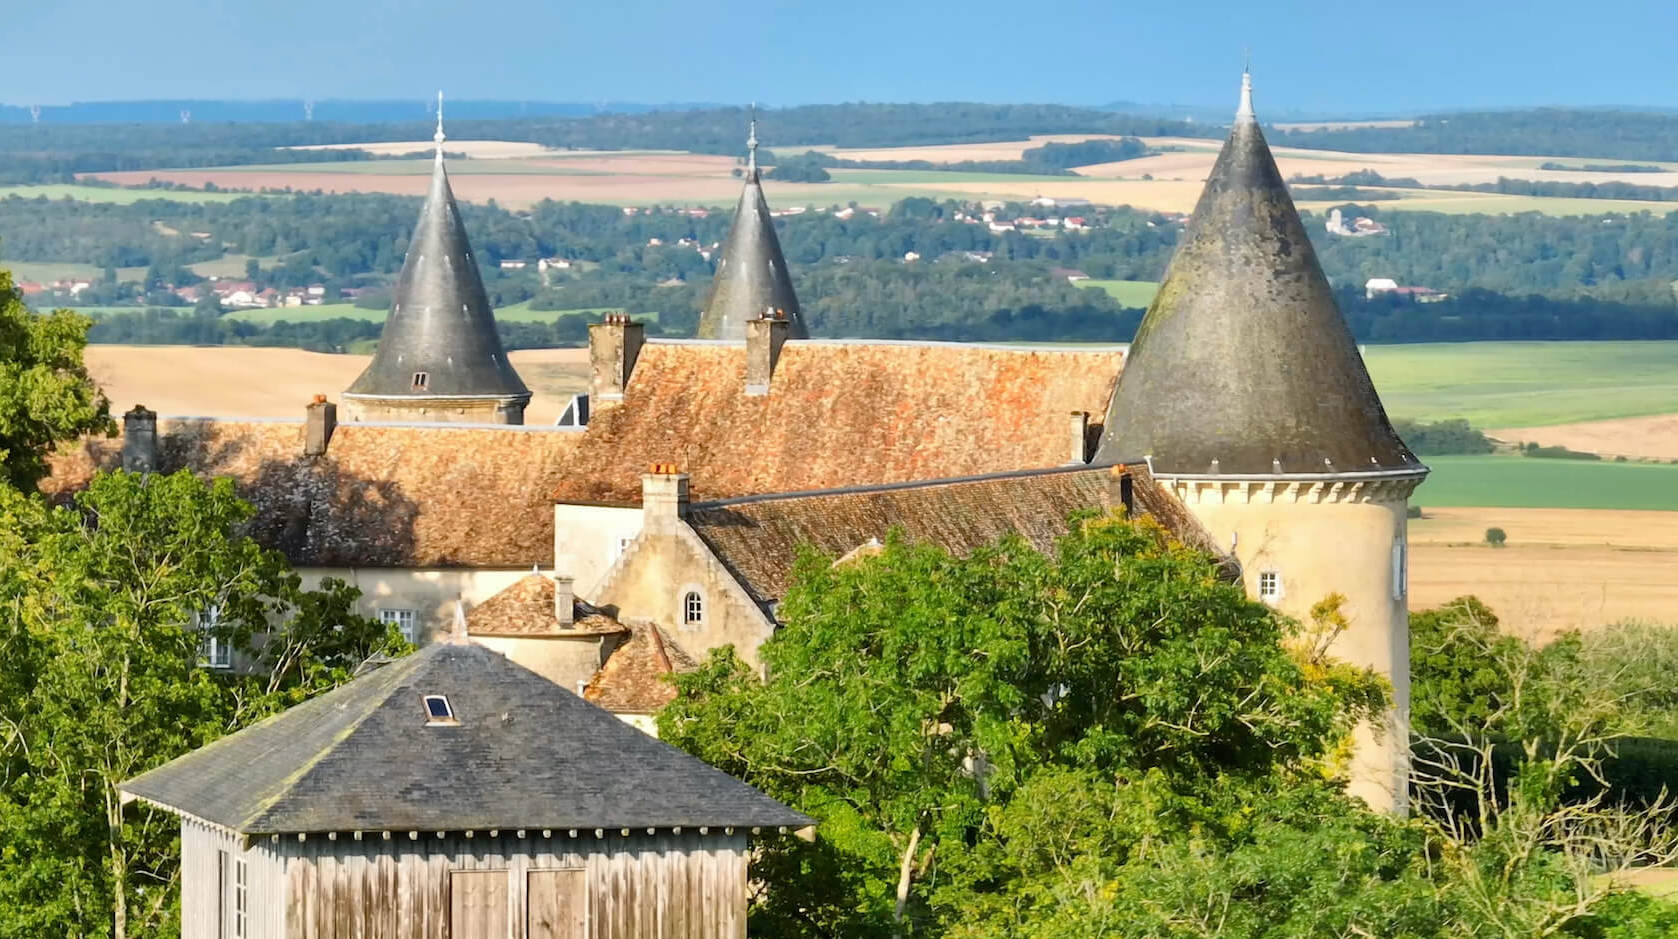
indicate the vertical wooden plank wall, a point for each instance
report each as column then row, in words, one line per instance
column 668, row 886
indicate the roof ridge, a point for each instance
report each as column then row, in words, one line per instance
column 911, row 484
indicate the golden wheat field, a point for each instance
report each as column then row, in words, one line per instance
column 1653, row 437
column 239, row 381
column 1560, row 569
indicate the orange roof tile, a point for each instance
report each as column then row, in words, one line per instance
column 837, row 414
column 635, row 679
column 526, row 608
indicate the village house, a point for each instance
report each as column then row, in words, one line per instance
column 455, row 793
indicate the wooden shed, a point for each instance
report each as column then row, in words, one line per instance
column 454, row 794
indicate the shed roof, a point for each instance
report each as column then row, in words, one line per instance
column 525, row 754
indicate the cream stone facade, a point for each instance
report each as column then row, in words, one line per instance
column 441, row 410
column 1302, row 538
column 429, row 593
column 568, row 661
column 588, row 539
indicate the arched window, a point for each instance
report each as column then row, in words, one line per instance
column 693, row 609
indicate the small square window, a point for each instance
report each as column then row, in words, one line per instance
column 438, row 711
column 1270, row 586
column 421, row 380
column 403, row 619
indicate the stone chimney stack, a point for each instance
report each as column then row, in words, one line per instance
column 565, row 600
column 664, row 498
column 764, row 338
column 139, row 440
column 613, row 347
column 320, row 419
column 1080, row 436
column 1121, row 489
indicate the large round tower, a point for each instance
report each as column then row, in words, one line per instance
column 1245, row 393
column 439, row 356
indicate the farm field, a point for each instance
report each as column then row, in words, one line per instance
column 1136, row 294
column 120, row 196
column 1651, row 437
column 520, row 174
column 1526, row 384
column 216, row 380
column 517, row 313
column 1561, row 568
column 1532, row 482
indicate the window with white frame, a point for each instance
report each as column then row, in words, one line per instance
column 404, row 620
column 1401, row 570
column 693, row 610
column 1270, row 586
column 617, row 547
column 241, row 899
column 214, row 650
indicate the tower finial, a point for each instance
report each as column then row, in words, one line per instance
column 438, row 137
column 751, row 145
column 1245, row 111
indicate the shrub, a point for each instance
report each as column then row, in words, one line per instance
column 1557, row 453
column 1414, row 511
column 1443, row 438
column 1495, row 537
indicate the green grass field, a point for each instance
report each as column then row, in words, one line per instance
column 1526, row 384
column 1528, row 482
column 120, row 196
column 1136, row 294
column 517, row 313
column 414, row 168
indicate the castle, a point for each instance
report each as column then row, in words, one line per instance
column 660, row 519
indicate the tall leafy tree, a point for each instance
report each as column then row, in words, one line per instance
column 46, row 394
column 106, row 607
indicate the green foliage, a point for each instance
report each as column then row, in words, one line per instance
column 1453, row 436
column 102, row 613
column 801, row 169
column 1451, row 684
column 1557, row 452
column 1496, row 537
column 955, row 718
column 46, row 394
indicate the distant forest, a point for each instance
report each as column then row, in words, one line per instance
column 1520, row 276
column 49, row 152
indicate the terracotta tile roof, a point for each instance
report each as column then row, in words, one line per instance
column 837, row 414
column 635, row 679
column 382, row 496
column 758, row 538
column 526, row 608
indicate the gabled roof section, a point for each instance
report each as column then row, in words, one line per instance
column 758, row 538
column 636, row 678
column 525, row 608
column 837, row 414
column 526, row 753
column 383, row 495
column 752, row 274
column 1243, row 363
column 440, row 322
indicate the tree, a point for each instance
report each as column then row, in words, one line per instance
column 46, row 394
column 104, row 608
column 1496, row 537
column 986, row 739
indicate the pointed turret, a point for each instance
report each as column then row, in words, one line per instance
column 752, row 275
column 1243, row 364
column 439, row 356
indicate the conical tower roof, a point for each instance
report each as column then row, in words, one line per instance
column 752, row 275
column 440, row 324
column 1243, row 364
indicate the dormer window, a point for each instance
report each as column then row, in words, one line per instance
column 438, row 712
column 421, row 380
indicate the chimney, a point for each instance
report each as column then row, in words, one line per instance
column 565, row 600
column 320, row 419
column 139, row 440
column 613, row 347
column 764, row 338
column 1121, row 492
column 1080, row 439
column 664, row 498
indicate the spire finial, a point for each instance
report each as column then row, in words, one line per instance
column 1245, row 111
column 751, row 145
column 438, row 137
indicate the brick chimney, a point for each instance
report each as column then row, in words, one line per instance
column 320, row 419
column 139, row 440
column 1079, row 427
column 1121, row 489
column 664, row 498
column 565, row 600
column 764, row 338
column 613, row 347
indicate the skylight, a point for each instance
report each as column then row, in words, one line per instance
column 438, row 711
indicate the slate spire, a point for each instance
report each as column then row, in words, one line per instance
column 439, row 339
column 1243, row 363
column 751, row 275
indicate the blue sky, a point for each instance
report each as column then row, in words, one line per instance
column 1328, row 56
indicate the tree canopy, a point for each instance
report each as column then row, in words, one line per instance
column 46, row 395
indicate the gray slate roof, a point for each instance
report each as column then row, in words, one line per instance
column 527, row 754
column 440, row 320
column 752, row 274
column 1244, row 357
